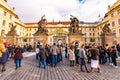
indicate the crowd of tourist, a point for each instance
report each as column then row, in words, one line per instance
column 79, row 55
column 49, row 54
column 14, row 52
column 52, row 55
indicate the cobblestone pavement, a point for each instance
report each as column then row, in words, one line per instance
column 30, row 71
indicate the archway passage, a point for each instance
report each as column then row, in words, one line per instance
column 60, row 42
column 76, row 43
column 59, row 36
column 60, row 39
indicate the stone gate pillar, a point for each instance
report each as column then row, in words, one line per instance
column 41, row 34
column 108, row 37
column 43, row 38
column 75, row 31
column 75, row 37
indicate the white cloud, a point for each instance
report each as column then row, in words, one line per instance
column 32, row 10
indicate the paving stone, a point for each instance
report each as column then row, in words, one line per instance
column 30, row 71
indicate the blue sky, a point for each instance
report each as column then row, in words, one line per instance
column 60, row 10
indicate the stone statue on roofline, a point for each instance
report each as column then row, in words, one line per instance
column 106, row 29
column 42, row 24
column 74, row 25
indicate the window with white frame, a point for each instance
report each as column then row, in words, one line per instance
column 10, row 16
column 119, row 21
column 118, row 12
column 5, row 13
column 113, row 23
column 4, row 22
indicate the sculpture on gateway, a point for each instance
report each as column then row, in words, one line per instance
column 42, row 24
column 106, row 29
column 74, row 25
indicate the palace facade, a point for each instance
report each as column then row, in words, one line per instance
column 59, row 31
column 8, row 18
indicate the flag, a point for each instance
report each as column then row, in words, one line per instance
column 99, row 15
column 5, row 44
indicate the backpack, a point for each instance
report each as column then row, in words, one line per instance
column 54, row 50
column 77, row 52
column 41, row 52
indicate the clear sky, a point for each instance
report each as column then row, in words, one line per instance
column 60, row 10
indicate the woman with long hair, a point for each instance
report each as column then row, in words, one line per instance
column 94, row 58
column 71, row 55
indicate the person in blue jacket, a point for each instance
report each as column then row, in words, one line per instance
column 4, row 59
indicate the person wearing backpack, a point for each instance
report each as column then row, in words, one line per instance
column 54, row 54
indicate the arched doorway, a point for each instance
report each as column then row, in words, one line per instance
column 59, row 36
column 76, row 43
column 60, row 39
column 60, row 42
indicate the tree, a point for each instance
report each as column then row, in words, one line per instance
column 24, row 39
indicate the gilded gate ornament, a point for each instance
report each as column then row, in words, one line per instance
column 59, row 31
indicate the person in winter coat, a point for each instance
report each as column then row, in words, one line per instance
column 59, row 57
column 2, row 47
column 37, row 52
column 83, row 56
column 114, row 56
column 66, row 51
column 77, row 55
column 4, row 59
column 24, row 48
column 102, row 56
column 18, row 56
column 94, row 58
column 42, row 56
column 54, row 51
column 12, row 51
column 71, row 55
column 118, row 49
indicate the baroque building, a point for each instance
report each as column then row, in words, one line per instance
column 55, row 29
column 59, row 31
column 112, row 17
column 8, row 18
